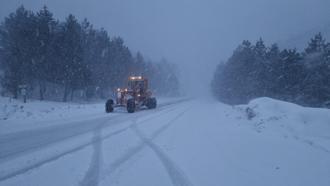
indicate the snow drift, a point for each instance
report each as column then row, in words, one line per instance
column 312, row 125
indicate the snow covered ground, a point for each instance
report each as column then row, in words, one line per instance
column 16, row 116
column 186, row 142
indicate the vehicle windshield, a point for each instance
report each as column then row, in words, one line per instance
column 136, row 84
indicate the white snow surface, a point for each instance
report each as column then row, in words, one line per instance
column 17, row 116
column 311, row 125
column 181, row 142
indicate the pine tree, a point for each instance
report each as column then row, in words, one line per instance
column 121, row 61
column 316, row 44
column 316, row 86
column 102, row 63
column 138, row 66
column 260, row 49
column 273, row 70
column 44, row 50
column 216, row 87
column 18, row 37
column 72, row 71
column 292, row 72
column 37, row 49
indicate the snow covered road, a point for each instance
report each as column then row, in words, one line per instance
column 190, row 142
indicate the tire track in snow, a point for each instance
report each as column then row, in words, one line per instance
column 92, row 175
column 14, row 173
column 17, row 144
column 10, row 174
column 178, row 178
column 133, row 150
column 176, row 175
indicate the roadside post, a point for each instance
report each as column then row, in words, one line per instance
column 23, row 89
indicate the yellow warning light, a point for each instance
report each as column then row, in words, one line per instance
column 135, row 77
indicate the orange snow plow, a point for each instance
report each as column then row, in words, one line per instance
column 135, row 96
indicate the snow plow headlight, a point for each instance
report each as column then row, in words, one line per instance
column 118, row 89
column 135, row 77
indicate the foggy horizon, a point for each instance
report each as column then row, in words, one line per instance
column 195, row 35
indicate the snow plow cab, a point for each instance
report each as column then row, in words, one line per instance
column 135, row 96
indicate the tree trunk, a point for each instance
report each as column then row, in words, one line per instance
column 72, row 91
column 66, row 92
column 86, row 94
column 13, row 88
column 41, row 94
column 42, row 89
column 102, row 93
column 15, row 92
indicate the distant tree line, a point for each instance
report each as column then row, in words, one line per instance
column 68, row 59
column 255, row 70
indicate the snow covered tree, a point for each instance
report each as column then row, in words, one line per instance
column 260, row 49
column 46, row 26
column 121, row 62
column 139, row 64
column 291, row 71
column 165, row 80
column 38, row 51
column 316, row 87
column 317, row 44
column 18, row 37
column 235, row 84
column 255, row 71
column 99, row 61
column 72, row 72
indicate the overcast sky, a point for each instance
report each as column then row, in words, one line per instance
column 194, row 33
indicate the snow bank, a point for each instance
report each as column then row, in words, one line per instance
column 11, row 109
column 311, row 125
column 18, row 116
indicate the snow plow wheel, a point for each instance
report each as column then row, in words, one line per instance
column 151, row 103
column 131, row 105
column 109, row 106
